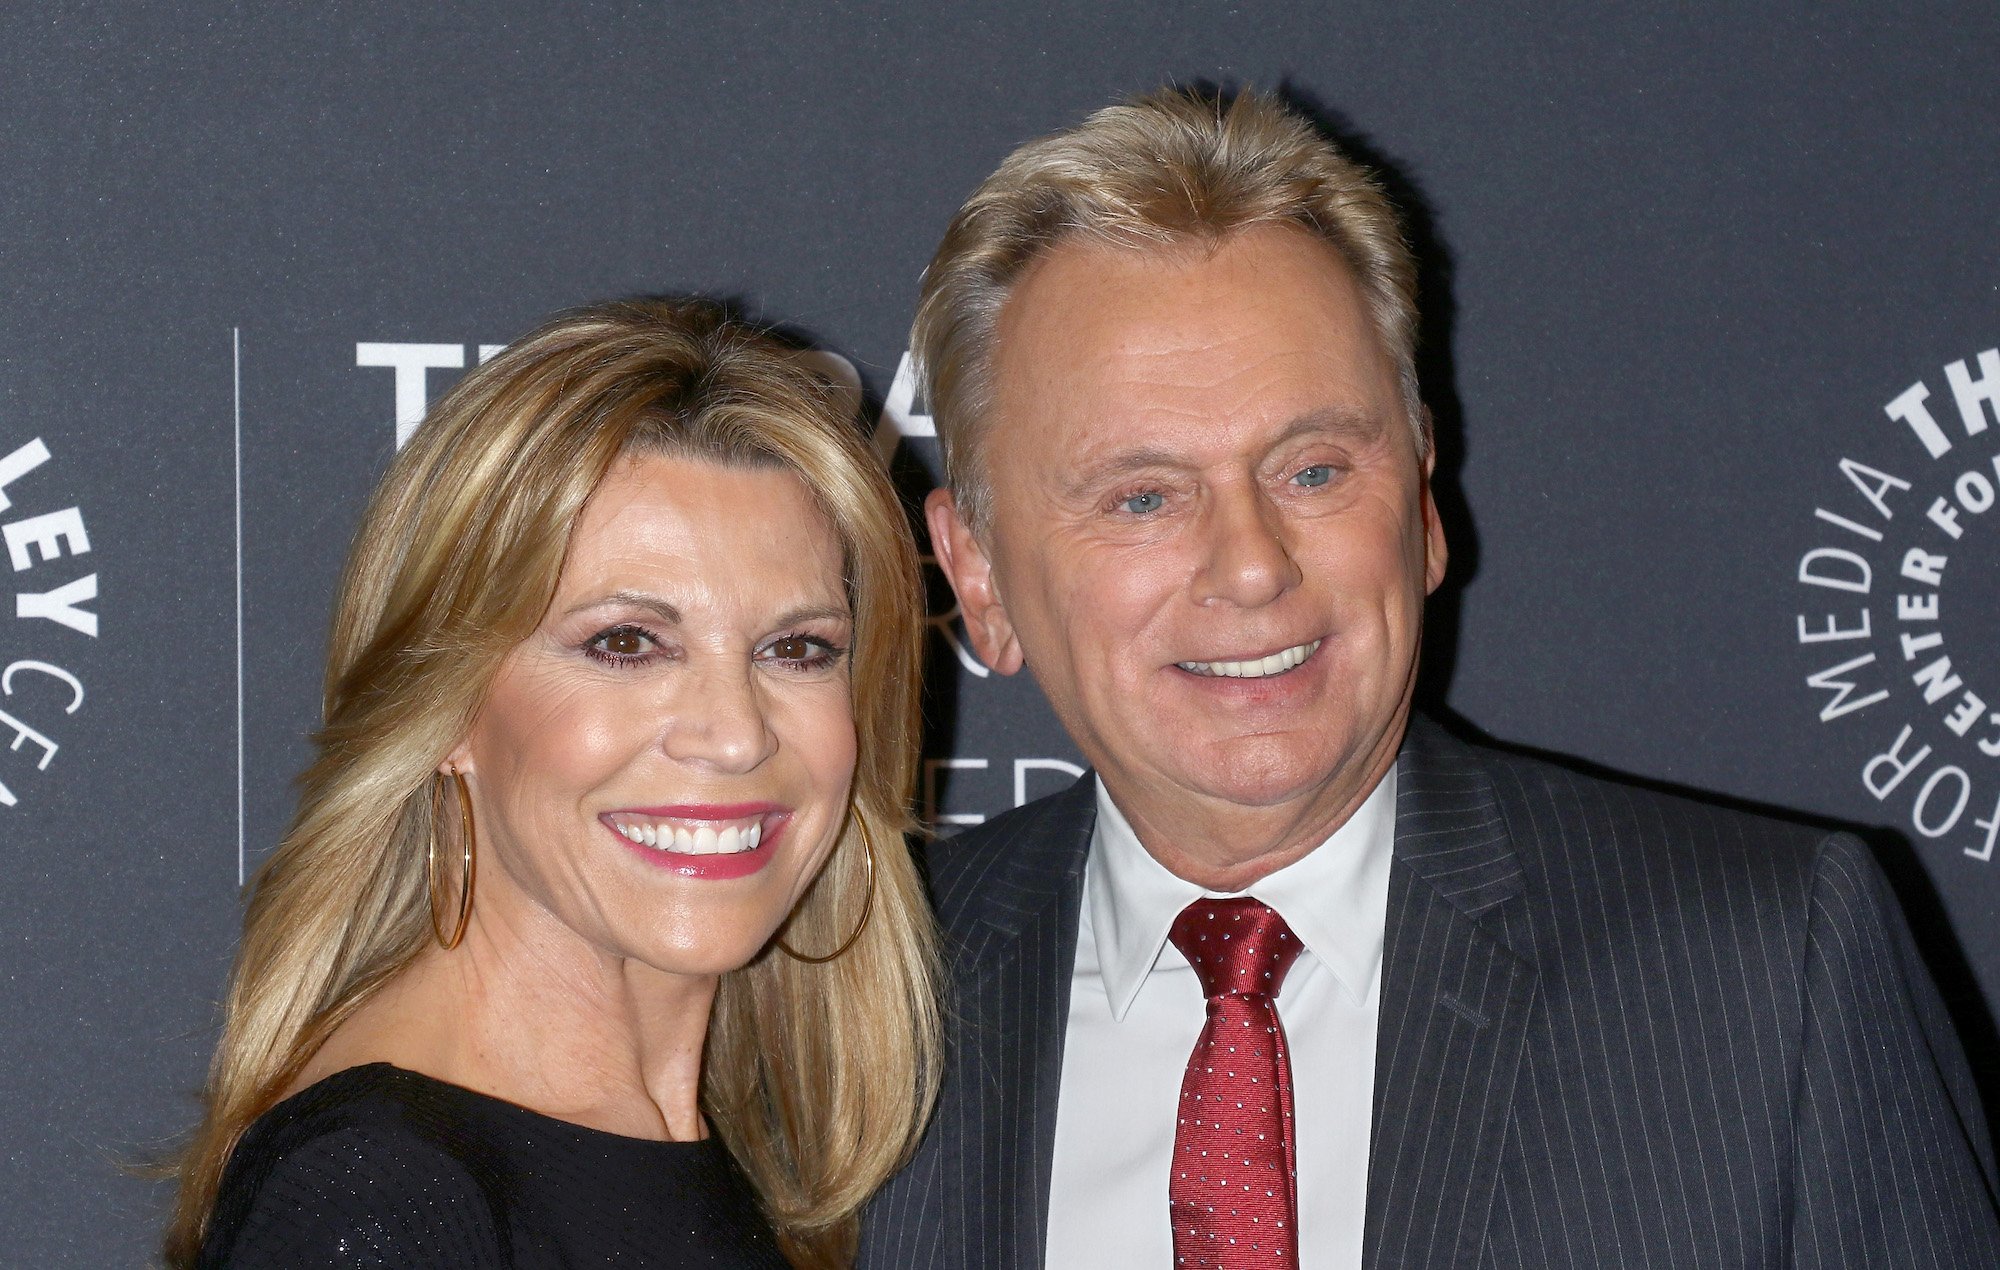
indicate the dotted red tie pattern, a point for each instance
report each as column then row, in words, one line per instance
column 1234, row 1191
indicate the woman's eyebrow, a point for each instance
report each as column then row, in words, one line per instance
column 815, row 613
column 637, row 599
column 672, row 616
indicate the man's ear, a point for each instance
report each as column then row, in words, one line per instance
column 1435, row 552
column 970, row 573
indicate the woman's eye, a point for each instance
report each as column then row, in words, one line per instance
column 802, row 652
column 621, row 644
column 1143, row 504
column 792, row 648
column 1318, row 474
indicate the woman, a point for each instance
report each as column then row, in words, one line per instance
column 594, row 940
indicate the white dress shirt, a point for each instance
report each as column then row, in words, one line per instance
column 1136, row 1009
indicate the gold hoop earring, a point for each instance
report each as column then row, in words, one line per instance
column 867, row 908
column 465, row 857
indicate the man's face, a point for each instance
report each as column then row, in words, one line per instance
column 1211, row 537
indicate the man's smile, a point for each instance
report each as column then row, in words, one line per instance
column 1255, row 667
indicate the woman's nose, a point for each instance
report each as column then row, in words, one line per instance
column 720, row 721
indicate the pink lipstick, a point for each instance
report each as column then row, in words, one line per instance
column 701, row 840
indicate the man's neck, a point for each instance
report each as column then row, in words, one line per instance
column 1228, row 847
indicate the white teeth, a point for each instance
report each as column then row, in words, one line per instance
column 1256, row 667
column 702, row 839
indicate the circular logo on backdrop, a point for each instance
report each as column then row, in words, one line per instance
column 55, row 602
column 1899, row 613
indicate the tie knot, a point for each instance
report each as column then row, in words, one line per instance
column 1239, row 947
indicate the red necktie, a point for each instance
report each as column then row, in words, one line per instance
column 1234, row 1191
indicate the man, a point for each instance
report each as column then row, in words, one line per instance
column 1294, row 979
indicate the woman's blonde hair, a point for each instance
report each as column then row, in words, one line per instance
column 818, row 1077
column 1175, row 165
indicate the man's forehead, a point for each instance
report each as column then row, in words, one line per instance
column 1181, row 318
column 1114, row 358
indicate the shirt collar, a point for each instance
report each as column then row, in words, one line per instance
column 1334, row 897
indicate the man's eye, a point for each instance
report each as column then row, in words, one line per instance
column 1318, row 474
column 1143, row 504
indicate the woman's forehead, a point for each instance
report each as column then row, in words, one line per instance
column 699, row 528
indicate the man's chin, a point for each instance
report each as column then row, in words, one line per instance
column 1299, row 770
column 1259, row 780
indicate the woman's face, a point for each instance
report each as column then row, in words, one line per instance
column 663, row 766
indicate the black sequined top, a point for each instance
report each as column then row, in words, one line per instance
column 380, row 1167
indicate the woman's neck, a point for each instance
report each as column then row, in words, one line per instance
column 527, row 1011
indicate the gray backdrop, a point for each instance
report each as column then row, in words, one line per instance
column 1681, row 263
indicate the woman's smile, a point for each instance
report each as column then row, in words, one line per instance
column 703, row 842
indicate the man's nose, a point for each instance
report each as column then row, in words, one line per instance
column 721, row 721
column 1248, row 559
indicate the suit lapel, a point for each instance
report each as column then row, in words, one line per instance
column 1456, row 999
column 1013, row 936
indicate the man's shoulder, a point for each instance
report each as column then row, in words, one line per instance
column 1558, row 784
column 1034, row 842
column 1632, row 846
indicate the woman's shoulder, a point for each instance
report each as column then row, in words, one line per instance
column 368, row 1167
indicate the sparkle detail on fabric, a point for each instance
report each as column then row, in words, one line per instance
column 379, row 1168
column 1233, row 1196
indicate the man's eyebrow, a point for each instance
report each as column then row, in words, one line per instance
column 637, row 599
column 1123, row 463
column 1343, row 423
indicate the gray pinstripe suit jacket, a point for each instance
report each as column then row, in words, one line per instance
column 1618, row 1029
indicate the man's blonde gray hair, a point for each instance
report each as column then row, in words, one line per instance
column 1171, row 167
